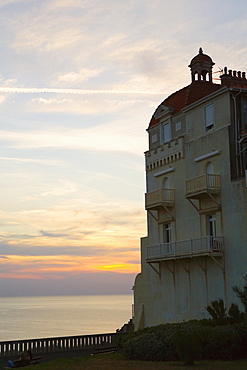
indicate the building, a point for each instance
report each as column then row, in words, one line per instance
column 196, row 199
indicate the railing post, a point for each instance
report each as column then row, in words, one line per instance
column 191, row 246
column 209, row 243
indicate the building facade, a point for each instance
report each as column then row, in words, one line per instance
column 196, row 199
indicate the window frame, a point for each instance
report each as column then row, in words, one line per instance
column 167, row 232
column 209, row 116
column 212, row 225
column 166, row 131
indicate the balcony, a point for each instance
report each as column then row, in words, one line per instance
column 204, row 184
column 159, row 198
column 197, row 247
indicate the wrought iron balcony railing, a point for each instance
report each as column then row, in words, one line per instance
column 207, row 245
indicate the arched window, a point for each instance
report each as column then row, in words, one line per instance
column 166, row 183
column 210, row 168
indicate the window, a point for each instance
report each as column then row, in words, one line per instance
column 166, row 184
column 212, row 225
column 178, row 126
column 167, row 233
column 244, row 126
column 210, row 168
column 166, row 132
column 209, row 117
column 154, row 138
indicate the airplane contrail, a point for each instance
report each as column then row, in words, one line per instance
column 26, row 90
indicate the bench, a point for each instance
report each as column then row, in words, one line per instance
column 34, row 361
column 99, row 350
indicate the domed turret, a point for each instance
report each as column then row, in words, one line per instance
column 201, row 66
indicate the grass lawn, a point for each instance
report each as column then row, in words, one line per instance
column 118, row 362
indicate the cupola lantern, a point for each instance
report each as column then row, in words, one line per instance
column 201, row 67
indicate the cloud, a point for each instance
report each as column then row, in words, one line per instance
column 50, row 101
column 50, row 265
column 11, row 2
column 83, row 75
column 48, row 162
column 64, row 187
column 105, row 138
column 2, row 98
column 53, row 37
column 51, row 235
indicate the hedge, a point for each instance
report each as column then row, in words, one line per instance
column 187, row 341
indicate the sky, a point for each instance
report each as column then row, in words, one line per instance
column 79, row 82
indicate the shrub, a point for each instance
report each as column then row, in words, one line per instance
column 188, row 341
column 224, row 342
column 156, row 344
column 217, row 311
column 187, row 346
column 147, row 348
column 234, row 314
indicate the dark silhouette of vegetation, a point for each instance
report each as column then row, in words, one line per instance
column 187, row 346
column 217, row 311
column 187, row 341
column 234, row 314
column 221, row 316
column 242, row 294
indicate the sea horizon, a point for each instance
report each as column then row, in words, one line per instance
column 31, row 317
column 62, row 295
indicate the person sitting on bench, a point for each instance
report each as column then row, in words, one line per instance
column 22, row 361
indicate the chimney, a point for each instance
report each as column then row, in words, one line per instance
column 233, row 78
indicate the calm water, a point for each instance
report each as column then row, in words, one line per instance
column 41, row 317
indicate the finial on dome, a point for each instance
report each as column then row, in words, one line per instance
column 200, row 51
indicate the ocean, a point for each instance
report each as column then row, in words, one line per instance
column 51, row 316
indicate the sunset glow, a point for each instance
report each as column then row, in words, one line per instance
column 79, row 82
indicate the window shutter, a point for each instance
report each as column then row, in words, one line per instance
column 209, row 116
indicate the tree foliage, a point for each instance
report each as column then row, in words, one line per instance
column 242, row 294
column 217, row 311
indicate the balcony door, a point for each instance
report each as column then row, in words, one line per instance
column 212, row 225
column 167, row 233
column 210, row 171
column 211, row 228
column 167, row 237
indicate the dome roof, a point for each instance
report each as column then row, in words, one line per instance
column 200, row 57
column 201, row 66
column 186, row 96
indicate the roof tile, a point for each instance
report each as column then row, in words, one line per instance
column 186, row 96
